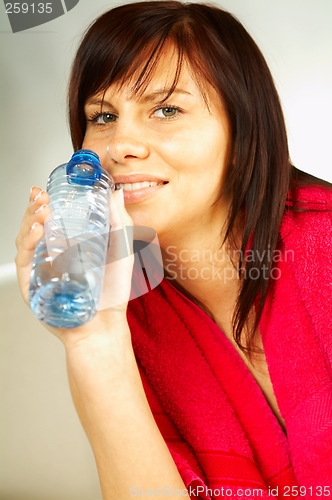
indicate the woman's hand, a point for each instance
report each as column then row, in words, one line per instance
column 118, row 271
column 31, row 231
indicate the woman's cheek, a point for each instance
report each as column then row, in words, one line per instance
column 98, row 146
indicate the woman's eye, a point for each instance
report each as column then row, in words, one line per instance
column 166, row 112
column 103, row 118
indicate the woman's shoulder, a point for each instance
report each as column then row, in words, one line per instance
column 311, row 196
column 306, row 238
column 308, row 206
column 306, row 227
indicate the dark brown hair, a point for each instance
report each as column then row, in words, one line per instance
column 128, row 40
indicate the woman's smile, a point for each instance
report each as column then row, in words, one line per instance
column 138, row 187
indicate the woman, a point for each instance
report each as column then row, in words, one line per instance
column 218, row 381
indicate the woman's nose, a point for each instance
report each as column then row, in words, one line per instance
column 127, row 142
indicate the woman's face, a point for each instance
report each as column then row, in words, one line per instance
column 170, row 158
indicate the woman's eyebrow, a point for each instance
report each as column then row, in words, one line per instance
column 163, row 92
column 97, row 101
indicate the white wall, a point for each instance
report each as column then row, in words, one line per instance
column 44, row 452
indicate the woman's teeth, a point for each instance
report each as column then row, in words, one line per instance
column 137, row 185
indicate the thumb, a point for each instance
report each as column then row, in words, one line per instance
column 121, row 223
column 119, row 215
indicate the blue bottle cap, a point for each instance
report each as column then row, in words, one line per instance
column 84, row 168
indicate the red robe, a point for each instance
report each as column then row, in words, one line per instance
column 220, row 430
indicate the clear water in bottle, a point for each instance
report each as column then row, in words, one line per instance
column 67, row 273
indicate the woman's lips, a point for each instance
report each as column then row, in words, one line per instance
column 137, row 187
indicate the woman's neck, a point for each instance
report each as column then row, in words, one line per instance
column 205, row 269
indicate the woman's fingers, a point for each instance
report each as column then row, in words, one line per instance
column 34, row 191
column 36, row 211
column 24, row 257
column 28, row 244
column 31, row 231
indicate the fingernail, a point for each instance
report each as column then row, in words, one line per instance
column 121, row 196
column 40, row 208
column 38, row 195
column 34, row 225
column 31, row 189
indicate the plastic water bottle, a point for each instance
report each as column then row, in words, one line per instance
column 67, row 273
